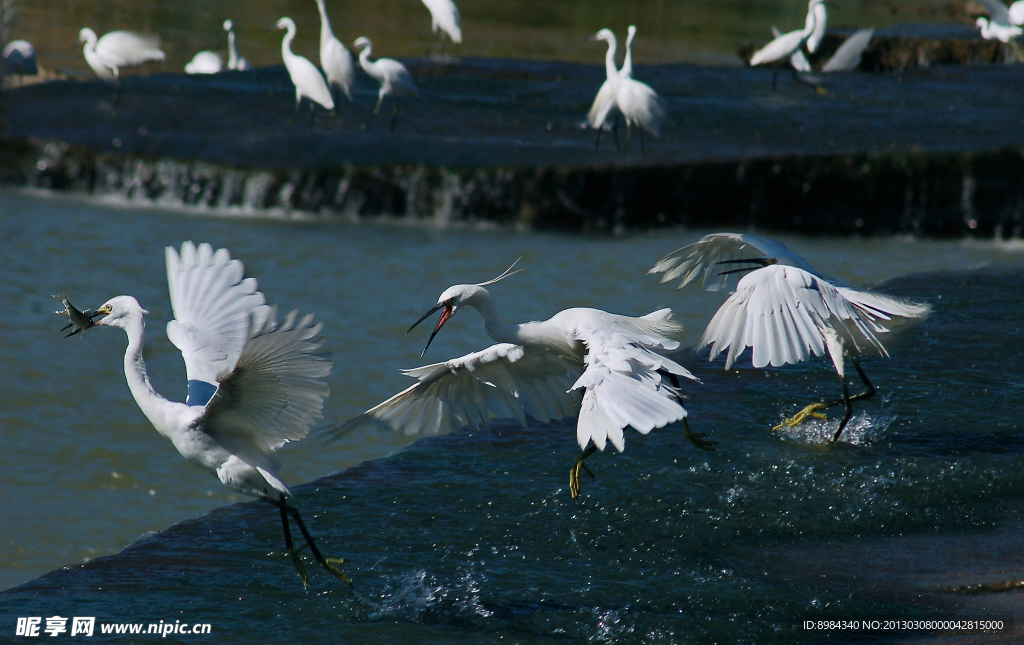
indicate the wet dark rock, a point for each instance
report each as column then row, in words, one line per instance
column 929, row 152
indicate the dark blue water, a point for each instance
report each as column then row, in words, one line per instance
column 473, row 537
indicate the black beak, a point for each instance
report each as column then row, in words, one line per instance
column 760, row 262
column 448, row 311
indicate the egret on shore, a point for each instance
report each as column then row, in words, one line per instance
column 604, row 103
column 783, row 47
column 638, row 104
column 538, row 369
column 235, row 60
column 116, row 49
column 20, row 59
column 395, row 80
column 334, row 56
column 204, row 62
column 1003, row 24
column 445, row 15
column 305, row 76
column 846, row 59
column 254, row 383
column 786, row 312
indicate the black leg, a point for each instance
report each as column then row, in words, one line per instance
column 394, row 115
column 326, row 563
column 597, row 144
column 775, row 78
column 848, row 400
column 643, row 151
column 117, row 92
column 615, row 130
column 694, row 438
column 629, row 133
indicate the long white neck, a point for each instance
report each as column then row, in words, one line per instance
column 286, row 43
column 627, row 62
column 151, row 403
column 609, row 59
column 232, row 51
column 364, row 59
column 809, row 24
column 326, row 33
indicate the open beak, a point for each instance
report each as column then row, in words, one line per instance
column 445, row 315
column 760, row 262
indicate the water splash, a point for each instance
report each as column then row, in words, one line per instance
column 864, row 429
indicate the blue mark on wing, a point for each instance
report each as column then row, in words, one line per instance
column 200, row 393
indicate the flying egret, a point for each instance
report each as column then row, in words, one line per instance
column 538, row 369
column 235, row 60
column 204, row 62
column 786, row 312
column 334, row 56
column 604, row 103
column 1001, row 25
column 20, row 59
column 305, row 76
column 783, row 47
column 116, row 49
column 394, row 78
column 445, row 15
column 254, row 383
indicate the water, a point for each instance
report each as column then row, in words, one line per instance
column 473, row 536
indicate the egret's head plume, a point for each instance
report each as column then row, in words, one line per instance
column 504, row 275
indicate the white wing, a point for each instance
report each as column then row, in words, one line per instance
column 213, row 306
column 702, row 257
column 502, row 381
column 603, row 102
column 396, row 77
column 275, row 392
column 308, row 81
column 1016, row 12
column 125, row 48
column 797, row 60
column 778, row 310
column 337, row 63
column 998, row 11
column 781, row 47
column 626, row 380
column 640, row 104
column 847, row 57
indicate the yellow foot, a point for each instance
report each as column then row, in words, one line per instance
column 297, row 563
column 574, row 477
column 989, row 587
column 798, row 418
column 331, row 564
column 821, row 90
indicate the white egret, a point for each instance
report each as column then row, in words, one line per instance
column 334, row 56
column 204, row 62
column 445, row 15
column 604, row 103
column 820, row 13
column 640, row 106
column 305, row 76
column 845, row 59
column 539, row 369
column 395, row 80
column 116, row 49
column 786, row 312
column 1001, row 25
column 784, row 46
column 20, row 59
column 254, row 383
column 235, row 60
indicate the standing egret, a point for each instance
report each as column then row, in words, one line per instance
column 783, row 47
column 604, row 103
column 444, row 14
column 305, row 76
column 334, row 56
column 204, row 62
column 640, row 106
column 786, row 312
column 254, row 383
column 235, row 60
column 537, row 369
column 394, row 78
column 20, row 59
column 1001, row 25
column 116, row 49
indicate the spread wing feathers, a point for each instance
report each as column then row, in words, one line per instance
column 777, row 311
column 502, row 381
column 782, row 47
column 702, row 257
column 625, row 377
column 213, row 309
column 797, row 60
column 998, row 11
column 276, row 391
column 848, row 56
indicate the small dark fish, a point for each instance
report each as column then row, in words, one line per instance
column 80, row 320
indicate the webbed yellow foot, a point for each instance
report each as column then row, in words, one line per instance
column 799, row 417
column 331, row 564
column 297, row 563
column 574, row 476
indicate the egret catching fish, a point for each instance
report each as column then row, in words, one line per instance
column 786, row 312
column 115, row 50
column 254, row 383
column 334, row 56
column 541, row 369
column 305, row 76
column 80, row 320
column 235, row 60
column 395, row 80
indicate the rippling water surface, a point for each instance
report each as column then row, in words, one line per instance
column 473, row 536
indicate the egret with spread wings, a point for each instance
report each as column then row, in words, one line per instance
column 787, row 312
column 541, row 369
column 254, row 382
